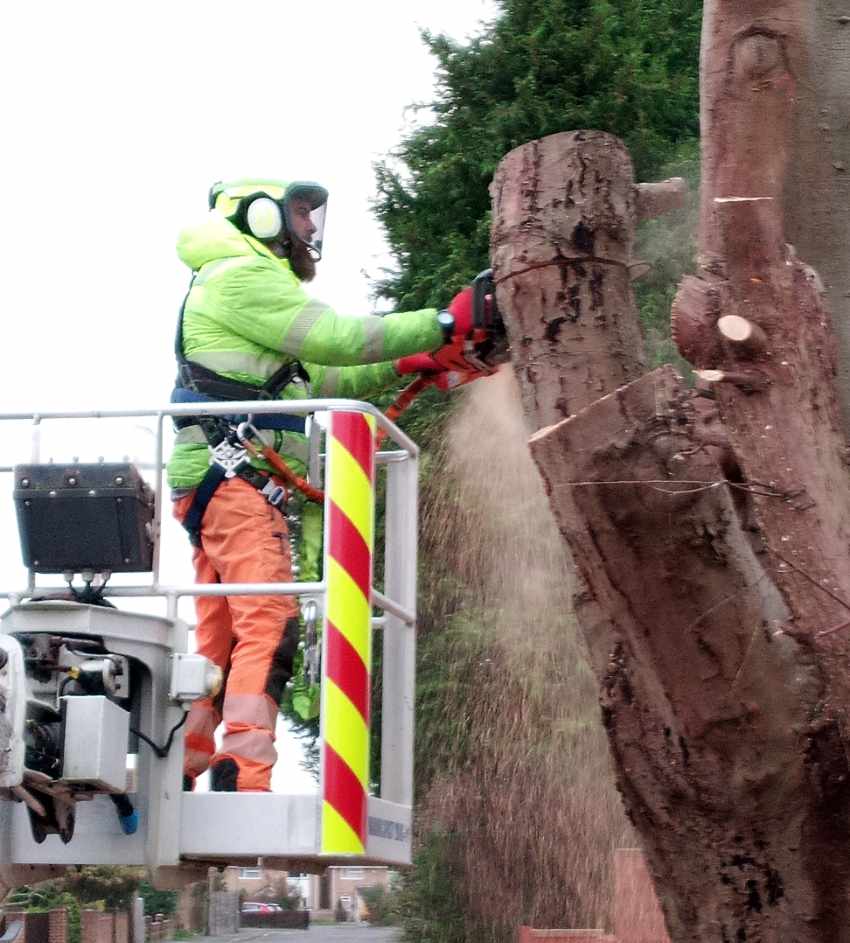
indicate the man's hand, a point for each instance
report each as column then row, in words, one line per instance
column 457, row 329
column 460, row 308
column 449, row 366
column 417, row 363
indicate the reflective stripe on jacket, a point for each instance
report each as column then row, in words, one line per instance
column 247, row 314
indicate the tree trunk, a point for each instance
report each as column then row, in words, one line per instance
column 818, row 184
column 779, row 408
column 702, row 700
column 563, row 231
column 711, row 546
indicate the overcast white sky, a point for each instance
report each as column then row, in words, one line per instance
column 117, row 117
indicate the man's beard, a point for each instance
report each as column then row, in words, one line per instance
column 302, row 262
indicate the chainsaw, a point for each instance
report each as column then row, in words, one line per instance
column 479, row 353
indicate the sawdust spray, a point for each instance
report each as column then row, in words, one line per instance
column 520, row 777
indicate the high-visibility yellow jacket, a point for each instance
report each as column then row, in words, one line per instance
column 247, row 314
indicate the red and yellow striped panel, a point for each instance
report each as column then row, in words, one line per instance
column 349, row 486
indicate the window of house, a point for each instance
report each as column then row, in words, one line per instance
column 352, row 874
column 250, row 874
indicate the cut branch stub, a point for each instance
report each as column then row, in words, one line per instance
column 562, row 246
column 747, row 380
column 749, row 338
column 698, row 304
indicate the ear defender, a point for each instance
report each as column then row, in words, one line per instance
column 263, row 218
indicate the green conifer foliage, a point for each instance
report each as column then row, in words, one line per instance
column 542, row 66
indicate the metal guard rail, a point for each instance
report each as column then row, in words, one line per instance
column 408, row 450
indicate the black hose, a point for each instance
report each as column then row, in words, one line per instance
column 161, row 752
column 122, row 804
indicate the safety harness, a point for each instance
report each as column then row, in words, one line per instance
column 228, row 436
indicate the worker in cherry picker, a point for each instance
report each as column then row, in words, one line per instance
column 248, row 331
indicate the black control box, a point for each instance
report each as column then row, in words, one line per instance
column 84, row 517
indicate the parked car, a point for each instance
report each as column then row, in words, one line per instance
column 259, row 907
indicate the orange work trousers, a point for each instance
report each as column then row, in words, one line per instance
column 251, row 638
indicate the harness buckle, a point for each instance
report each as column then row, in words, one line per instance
column 274, row 494
column 228, row 457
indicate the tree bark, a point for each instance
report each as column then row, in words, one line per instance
column 711, row 544
column 787, row 433
column 817, row 188
column 562, row 241
column 703, row 695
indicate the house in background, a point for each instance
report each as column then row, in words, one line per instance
column 343, row 884
column 249, row 883
column 319, row 892
column 253, row 882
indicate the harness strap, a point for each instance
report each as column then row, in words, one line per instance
column 269, row 422
column 192, row 376
column 273, row 493
column 203, row 495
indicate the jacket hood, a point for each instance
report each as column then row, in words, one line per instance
column 215, row 238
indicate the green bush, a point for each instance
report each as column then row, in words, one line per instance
column 382, row 905
column 157, row 902
column 48, row 896
column 430, row 903
column 112, row 887
column 540, row 67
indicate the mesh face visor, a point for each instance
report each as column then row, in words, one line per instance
column 304, row 207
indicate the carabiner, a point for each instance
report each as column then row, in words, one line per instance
column 246, row 431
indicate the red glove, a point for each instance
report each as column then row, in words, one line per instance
column 448, row 365
column 451, row 355
column 417, row 363
column 460, row 307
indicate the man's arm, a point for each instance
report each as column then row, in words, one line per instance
column 261, row 300
column 361, row 382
